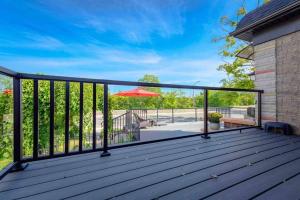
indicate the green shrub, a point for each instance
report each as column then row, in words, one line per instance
column 214, row 117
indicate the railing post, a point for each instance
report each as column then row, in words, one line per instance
column 81, row 117
column 157, row 115
column 172, row 115
column 36, row 148
column 196, row 114
column 67, row 116
column 105, row 121
column 259, row 121
column 17, row 125
column 94, row 115
column 205, row 136
column 52, row 111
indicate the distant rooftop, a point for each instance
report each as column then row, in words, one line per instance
column 263, row 15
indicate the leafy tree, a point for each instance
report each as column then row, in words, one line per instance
column 150, row 78
column 59, row 115
column 6, row 121
column 169, row 99
column 236, row 69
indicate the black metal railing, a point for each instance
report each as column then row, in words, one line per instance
column 158, row 114
column 125, row 127
column 104, row 135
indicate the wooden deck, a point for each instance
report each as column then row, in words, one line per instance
column 251, row 165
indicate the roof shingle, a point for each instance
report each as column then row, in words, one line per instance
column 264, row 11
column 267, row 13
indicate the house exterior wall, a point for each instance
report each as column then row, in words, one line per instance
column 265, row 78
column 288, row 79
column 277, row 65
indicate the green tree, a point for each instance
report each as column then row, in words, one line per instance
column 236, row 69
column 6, row 121
column 59, row 115
column 150, row 78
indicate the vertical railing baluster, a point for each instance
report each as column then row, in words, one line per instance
column 259, row 123
column 116, row 132
column 205, row 114
column 52, row 109
column 105, row 121
column 35, row 119
column 94, row 114
column 124, row 122
column 80, row 116
column 67, row 116
column 18, row 150
column 172, row 115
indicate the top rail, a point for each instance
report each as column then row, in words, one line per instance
column 129, row 83
column 11, row 73
column 7, row 72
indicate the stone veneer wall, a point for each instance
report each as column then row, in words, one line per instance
column 288, row 79
column 265, row 78
column 277, row 65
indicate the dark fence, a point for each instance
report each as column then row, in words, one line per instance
column 156, row 114
column 104, row 136
column 125, row 127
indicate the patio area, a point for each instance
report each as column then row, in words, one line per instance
column 169, row 130
column 232, row 165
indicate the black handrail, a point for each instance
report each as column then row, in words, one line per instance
column 7, row 72
column 130, row 83
column 17, row 77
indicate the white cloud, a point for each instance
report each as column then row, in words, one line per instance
column 136, row 57
column 31, row 40
column 102, row 57
column 125, row 66
column 135, row 21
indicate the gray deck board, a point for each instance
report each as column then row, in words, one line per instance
column 261, row 183
column 112, row 161
column 98, row 171
column 210, row 187
column 238, row 160
column 290, row 188
column 100, row 178
column 130, row 151
column 171, row 180
column 179, row 169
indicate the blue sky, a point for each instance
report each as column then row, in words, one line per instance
column 115, row 39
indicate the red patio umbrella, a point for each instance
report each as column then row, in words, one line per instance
column 138, row 92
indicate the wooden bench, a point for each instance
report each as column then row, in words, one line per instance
column 237, row 122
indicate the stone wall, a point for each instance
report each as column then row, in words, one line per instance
column 265, row 78
column 288, row 79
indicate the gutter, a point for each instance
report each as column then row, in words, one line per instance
column 286, row 10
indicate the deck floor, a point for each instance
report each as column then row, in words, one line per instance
column 251, row 165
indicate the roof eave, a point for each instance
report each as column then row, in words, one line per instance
column 249, row 29
column 243, row 35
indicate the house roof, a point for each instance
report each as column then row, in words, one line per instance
column 263, row 15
